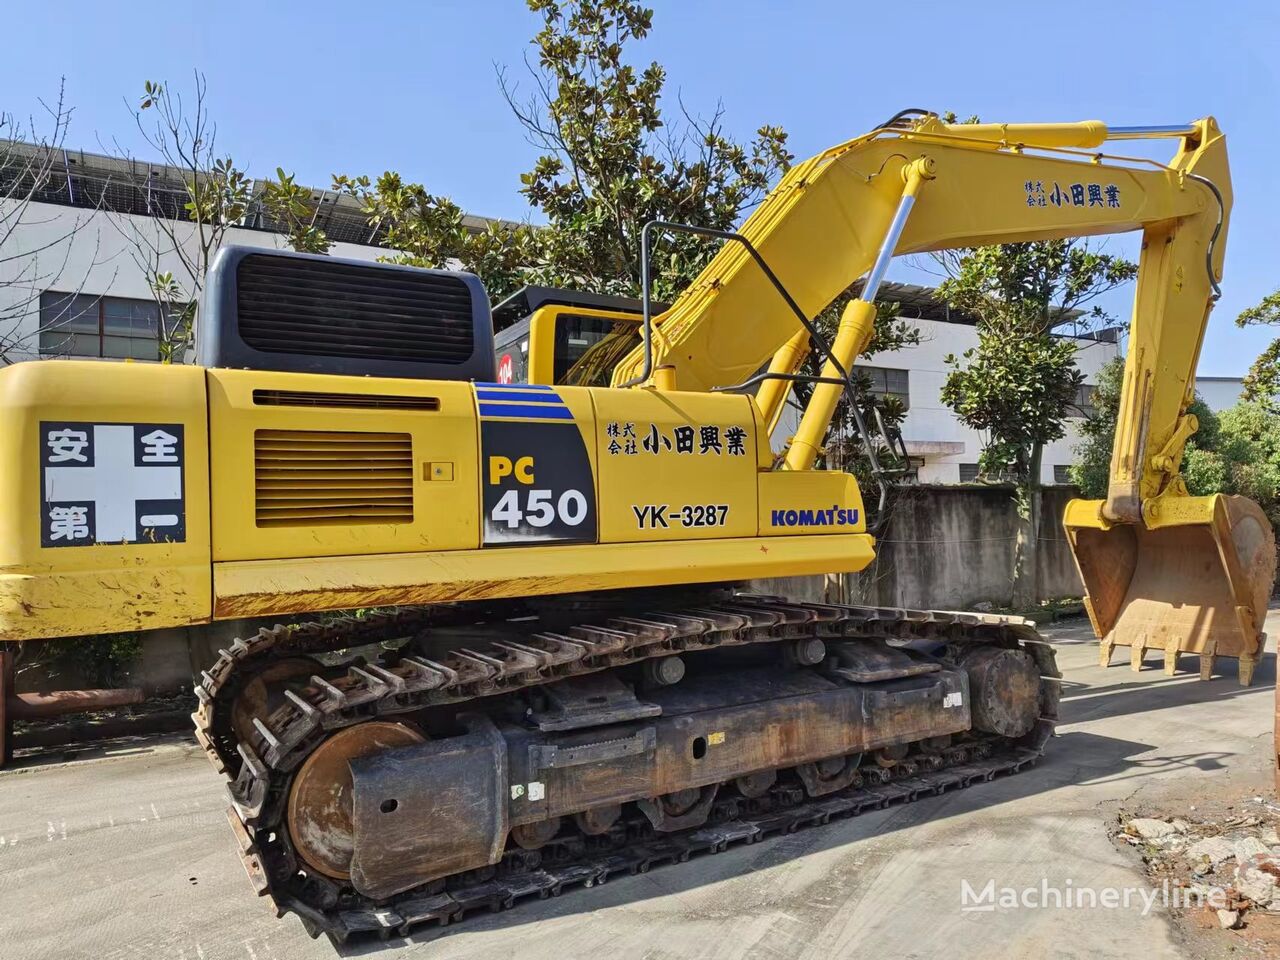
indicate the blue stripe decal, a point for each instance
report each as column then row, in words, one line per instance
column 514, row 386
column 522, row 411
column 529, row 396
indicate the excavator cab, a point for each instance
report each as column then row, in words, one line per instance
column 1195, row 577
column 551, row 336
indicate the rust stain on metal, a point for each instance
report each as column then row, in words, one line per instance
column 352, row 597
column 30, row 706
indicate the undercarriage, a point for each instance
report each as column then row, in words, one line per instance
column 464, row 759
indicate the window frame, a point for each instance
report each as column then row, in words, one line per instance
column 883, row 389
column 116, row 321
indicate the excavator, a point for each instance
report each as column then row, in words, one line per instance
column 512, row 650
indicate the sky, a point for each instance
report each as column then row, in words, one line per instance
column 318, row 87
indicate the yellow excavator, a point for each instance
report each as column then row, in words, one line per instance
column 514, row 654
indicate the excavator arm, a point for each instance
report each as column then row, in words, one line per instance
column 918, row 185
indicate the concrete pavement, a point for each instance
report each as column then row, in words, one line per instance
column 125, row 853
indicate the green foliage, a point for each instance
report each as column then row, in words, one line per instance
column 1267, row 310
column 102, row 660
column 1019, row 384
column 430, row 231
column 1017, row 387
column 177, row 315
column 614, row 159
column 1262, row 382
column 1237, row 451
column 1202, row 466
column 292, row 209
column 1249, row 443
column 1033, row 283
column 219, row 196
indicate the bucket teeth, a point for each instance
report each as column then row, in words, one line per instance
column 1136, row 653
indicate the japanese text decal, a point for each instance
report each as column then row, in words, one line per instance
column 111, row 483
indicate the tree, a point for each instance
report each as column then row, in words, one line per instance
column 31, row 164
column 1262, row 382
column 185, row 225
column 1201, row 466
column 427, row 230
column 1017, row 387
column 614, row 160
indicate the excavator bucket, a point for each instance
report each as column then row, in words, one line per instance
column 1198, row 582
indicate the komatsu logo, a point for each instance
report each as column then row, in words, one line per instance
column 833, row 517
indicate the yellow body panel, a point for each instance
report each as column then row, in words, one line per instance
column 335, row 492
column 275, row 587
column 445, row 511
column 653, row 454
column 822, row 226
column 53, row 591
column 810, row 502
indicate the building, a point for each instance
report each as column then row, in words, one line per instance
column 1219, row 393
column 74, row 274
column 942, row 449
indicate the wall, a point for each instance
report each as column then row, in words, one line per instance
column 947, row 548
column 1219, row 393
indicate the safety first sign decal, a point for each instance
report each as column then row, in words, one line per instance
column 111, row 483
column 537, row 481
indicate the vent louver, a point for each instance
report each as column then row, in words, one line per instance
column 294, row 305
column 352, row 401
column 311, row 478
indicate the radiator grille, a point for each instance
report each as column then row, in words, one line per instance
column 351, row 401
column 334, row 309
column 316, row 478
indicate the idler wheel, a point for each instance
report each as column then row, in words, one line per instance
column 319, row 813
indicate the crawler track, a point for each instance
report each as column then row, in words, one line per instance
column 259, row 768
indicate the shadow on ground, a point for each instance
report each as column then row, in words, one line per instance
column 1152, row 690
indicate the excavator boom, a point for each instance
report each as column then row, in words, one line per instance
column 1161, row 569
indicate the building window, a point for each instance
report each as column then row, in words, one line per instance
column 82, row 325
column 1061, row 473
column 968, row 472
column 886, row 382
column 1083, row 406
